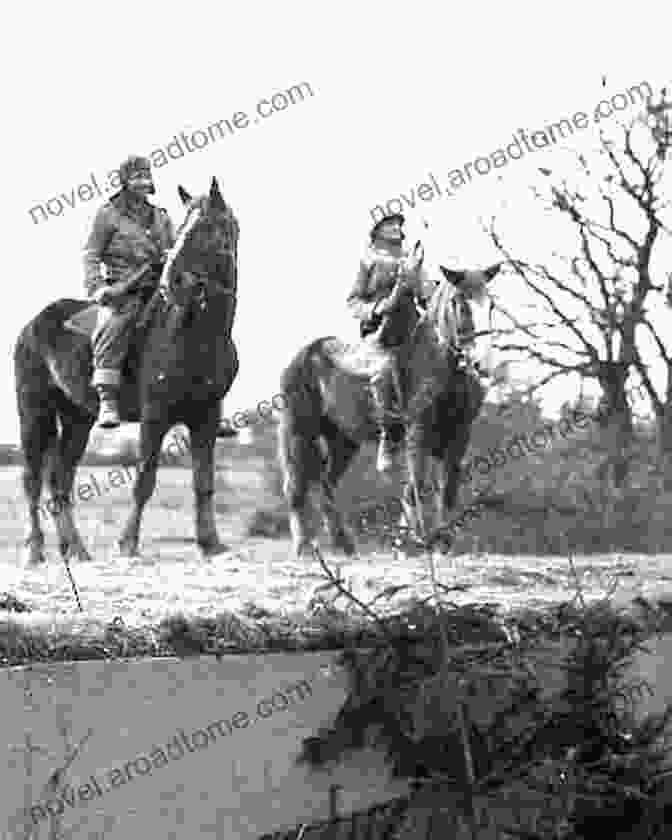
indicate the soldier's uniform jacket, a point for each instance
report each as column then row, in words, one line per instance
column 123, row 241
column 377, row 275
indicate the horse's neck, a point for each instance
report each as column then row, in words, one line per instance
column 426, row 356
column 166, row 320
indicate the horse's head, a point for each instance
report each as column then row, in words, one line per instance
column 460, row 311
column 203, row 262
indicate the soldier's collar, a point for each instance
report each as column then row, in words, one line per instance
column 133, row 208
column 395, row 251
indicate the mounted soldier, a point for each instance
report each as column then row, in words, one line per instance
column 383, row 299
column 130, row 238
column 181, row 368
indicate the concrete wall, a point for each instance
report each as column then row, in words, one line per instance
column 230, row 772
column 130, row 777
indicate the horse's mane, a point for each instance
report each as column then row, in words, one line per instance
column 439, row 316
column 440, row 313
column 197, row 208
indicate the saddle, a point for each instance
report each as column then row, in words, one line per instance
column 86, row 320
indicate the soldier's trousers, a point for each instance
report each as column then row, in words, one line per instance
column 111, row 340
column 385, row 392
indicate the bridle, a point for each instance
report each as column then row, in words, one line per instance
column 198, row 278
column 460, row 298
column 454, row 349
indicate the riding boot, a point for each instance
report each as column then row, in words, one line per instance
column 108, row 413
column 388, row 423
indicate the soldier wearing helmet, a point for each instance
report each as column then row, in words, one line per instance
column 128, row 233
column 383, row 299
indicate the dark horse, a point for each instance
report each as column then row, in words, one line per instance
column 328, row 415
column 183, row 362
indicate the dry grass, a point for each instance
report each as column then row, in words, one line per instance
column 259, row 577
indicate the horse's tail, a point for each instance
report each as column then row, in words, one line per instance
column 300, row 425
column 31, row 372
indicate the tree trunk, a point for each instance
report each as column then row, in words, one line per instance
column 618, row 428
column 664, row 429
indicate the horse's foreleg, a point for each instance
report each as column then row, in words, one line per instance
column 203, row 434
column 62, row 466
column 151, row 436
column 450, row 486
column 452, row 467
column 419, row 497
column 450, row 481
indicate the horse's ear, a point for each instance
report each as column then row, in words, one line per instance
column 491, row 273
column 184, row 195
column 419, row 252
column 216, row 198
column 454, row 277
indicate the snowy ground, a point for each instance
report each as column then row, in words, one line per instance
column 170, row 576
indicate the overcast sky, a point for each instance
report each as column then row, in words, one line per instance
column 400, row 91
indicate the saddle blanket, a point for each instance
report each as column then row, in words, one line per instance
column 84, row 322
column 365, row 358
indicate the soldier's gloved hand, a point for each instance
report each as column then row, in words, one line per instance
column 102, row 296
column 387, row 304
column 109, row 295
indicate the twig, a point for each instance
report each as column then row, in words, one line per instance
column 73, row 584
column 336, row 581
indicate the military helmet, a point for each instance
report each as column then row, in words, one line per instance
column 132, row 166
column 392, row 217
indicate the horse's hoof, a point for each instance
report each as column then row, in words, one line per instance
column 345, row 543
column 440, row 541
column 127, row 548
column 80, row 554
column 34, row 555
column 212, row 549
column 305, row 548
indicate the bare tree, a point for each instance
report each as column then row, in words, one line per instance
column 595, row 301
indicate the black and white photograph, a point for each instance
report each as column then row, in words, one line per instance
column 336, row 458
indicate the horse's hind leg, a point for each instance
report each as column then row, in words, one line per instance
column 301, row 462
column 341, row 452
column 62, row 462
column 37, row 417
column 151, row 435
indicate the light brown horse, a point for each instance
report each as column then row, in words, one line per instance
column 329, row 414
